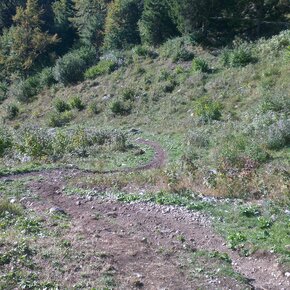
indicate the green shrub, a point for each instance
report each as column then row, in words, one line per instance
column 128, row 94
column 94, row 109
column 207, row 109
column 177, row 49
column 25, row 90
column 33, row 142
column 103, row 67
column 12, row 111
column 46, row 78
column 182, row 55
column 119, row 107
column 144, row 51
column 77, row 103
column 6, row 207
column 278, row 135
column 238, row 57
column 5, row 142
column 3, row 91
column 59, row 119
column 61, row 106
column 200, row 64
column 71, row 67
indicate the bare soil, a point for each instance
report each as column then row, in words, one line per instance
column 141, row 245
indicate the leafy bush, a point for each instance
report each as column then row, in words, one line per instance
column 207, row 109
column 238, row 57
column 33, row 142
column 12, row 111
column 119, row 107
column 61, row 106
column 93, row 108
column 144, row 51
column 25, row 90
column 200, row 64
column 5, row 142
column 278, row 135
column 103, row 67
column 71, row 67
column 77, row 103
column 46, row 78
column 3, row 91
column 59, row 119
column 177, row 49
column 128, row 94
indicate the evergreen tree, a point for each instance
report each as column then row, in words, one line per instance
column 7, row 11
column 156, row 24
column 121, row 28
column 62, row 12
column 22, row 45
column 89, row 20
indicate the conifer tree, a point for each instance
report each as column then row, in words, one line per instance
column 121, row 28
column 156, row 24
column 23, row 43
column 89, row 20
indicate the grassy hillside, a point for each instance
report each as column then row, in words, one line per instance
column 221, row 119
column 223, row 115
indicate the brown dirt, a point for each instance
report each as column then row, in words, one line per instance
column 141, row 241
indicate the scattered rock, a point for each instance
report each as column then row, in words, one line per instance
column 78, row 203
column 13, row 200
column 287, row 274
column 55, row 210
column 112, row 214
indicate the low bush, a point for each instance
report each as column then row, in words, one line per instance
column 25, row 90
column 177, row 49
column 71, row 67
column 200, row 64
column 5, row 141
column 238, row 57
column 3, row 91
column 61, row 106
column 12, row 111
column 119, row 107
column 207, row 109
column 77, row 103
column 103, row 67
column 278, row 135
column 46, row 78
column 94, row 108
column 59, row 119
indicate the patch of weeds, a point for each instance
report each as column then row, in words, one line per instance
column 61, row 106
column 236, row 240
column 199, row 64
column 250, row 211
column 119, row 107
column 77, row 103
column 29, row 226
column 12, row 111
column 239, row 57
column 207, row 109
column 103, row 67
column 59, row 119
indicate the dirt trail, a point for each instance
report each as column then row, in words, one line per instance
column 134, row 235
column 157, row 161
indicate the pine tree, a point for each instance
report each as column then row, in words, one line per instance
column 89, row 21
column 156, row 24
column 121, row 28
column 23, row 44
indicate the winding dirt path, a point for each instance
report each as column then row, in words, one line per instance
column 157, row 161
column 134, row 234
